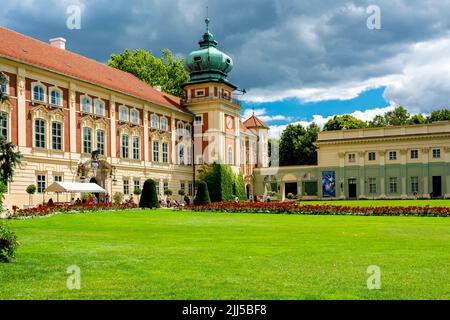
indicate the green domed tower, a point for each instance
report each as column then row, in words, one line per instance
column 208, row 63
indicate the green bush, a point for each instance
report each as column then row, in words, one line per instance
column 8, row 243
column 118, row 197
column 291, row 196
column 181, row 192
column 2, row 192
column 31, row 189
column 149, row 198
column 202, row 196
column 168, row 192
column 239, row 187
column 137, row 191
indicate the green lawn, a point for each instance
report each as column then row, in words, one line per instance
column 381, row 203
column 172, row 255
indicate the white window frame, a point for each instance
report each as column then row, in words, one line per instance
column 124, row 149
column 372, row 185
column 61, row 135
column 414, row 185
column 97, row 142
column 123, row 114
column 6, row 85
column 60, row 93
column 134, row 116
column 374, row 154
column 352, row 157
column 165, row 122
column 154, row 119
column 41, row 184
column 180, row 129
column 189, row 155
column 44, row 133
column 392, row 155
column 4, row 119
column 82, row 99
column 230, row 155
column 181, row 155
column 155, row 150
column 416, row 152
column 136, row 151
column 198, row 122
column 165, row 153
column 436, row 153
column 44, row 94
column 126, row 187
column 83, row 145
column 101, row 103
column 393, row 185
column 187, row 130
column 199, row 93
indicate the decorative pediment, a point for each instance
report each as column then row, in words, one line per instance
column 6, row 106
column 87, row 121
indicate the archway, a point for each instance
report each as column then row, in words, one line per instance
column 97, row 195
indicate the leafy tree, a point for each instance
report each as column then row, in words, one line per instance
column 8, row 243
column 239, row 187
column 397, row 117
column 377, row 122
column 9, row 160
column 417, row 119
column 167, row 71
column 345, row 121
column 297, row 145
column 439, row 115
column 202, row 196
column 31, row 189
column 149, row 198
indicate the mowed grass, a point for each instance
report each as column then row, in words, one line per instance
column 172, row 255
column 382, row 203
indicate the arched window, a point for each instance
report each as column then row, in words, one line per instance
column 55, row 97
column 4, row 125
column 134, row 116
column 164, row 124
column 180, row 129
column 99, row 107
column 188, row 131
column 39, row 133
column 230, row 155
column 86, row 104
column 154, row 121
column 123, row 114
column 87, row 140
column 38, row 92
column 181, row 154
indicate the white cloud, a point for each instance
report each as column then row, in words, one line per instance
column 261, row 114
column 275, row 131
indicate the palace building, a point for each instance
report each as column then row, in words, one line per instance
column 78, row 120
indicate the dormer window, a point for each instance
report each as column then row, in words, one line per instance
column 99, row 107
column 86, row 104
column 39, row 93
column 154, row 121
column 200, row 93
column 134, row 116
column 55, row 97
column 123, row 114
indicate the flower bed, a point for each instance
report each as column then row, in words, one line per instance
column 295, row 208
column 45, row 210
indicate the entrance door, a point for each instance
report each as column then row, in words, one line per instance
column 352, row 189
column 437, row 187
column 290, row 188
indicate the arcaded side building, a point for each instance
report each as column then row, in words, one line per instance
column 77, row 120
column 393, row 162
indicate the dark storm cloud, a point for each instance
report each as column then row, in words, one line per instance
column 276, row 45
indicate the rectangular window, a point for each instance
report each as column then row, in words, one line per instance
column 123, row 114
column 198, row 120
column 392, row 155
column 157, row 187
column 156, row 151
column 4, row 125
column 191, row 189
column 351, row 157
column 393, row 187
column 39, row 133
column 134, row 116
column 200, row 93
column 136, row 149
column 415, row 185
column 137, row 184
column 124, row 147
column 87, row 140
column 165, row 152
column 154, row 121
column 56, row 136
column 4, row 86
column 99, row 108
column 166, row 186
column 101, row 141
column 372, row 156
column 436, row 153
column 57, row 179
column 126, row 187
column 40, row 181
column 183, row 186
column 414, row 154
column 372, row 185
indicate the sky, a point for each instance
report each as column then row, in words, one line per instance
column 298, row 60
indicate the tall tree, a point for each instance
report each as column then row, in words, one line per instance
column 417, row 119
column 345, row 121
column 439, row 115
column 167, row 72
column 9, row 160
column 397, row 117
column 296, row 145
column 377, row 122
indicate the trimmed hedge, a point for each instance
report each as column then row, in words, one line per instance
column 8, row 243
column 149, row 198
column 202, row 197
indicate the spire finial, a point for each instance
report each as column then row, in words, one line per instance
column 253, row 110
column 207, row 19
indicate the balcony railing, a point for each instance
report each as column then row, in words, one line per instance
column 232, row 100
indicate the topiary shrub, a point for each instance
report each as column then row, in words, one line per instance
column 8, row 243
column 202, row 197
column 149, row 197
column 31, row 189
column 168, row 192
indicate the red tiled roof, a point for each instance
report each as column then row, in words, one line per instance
column 24, row 49
column 254, row 122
